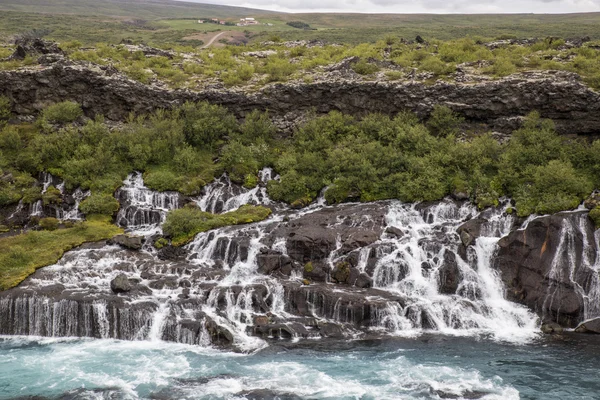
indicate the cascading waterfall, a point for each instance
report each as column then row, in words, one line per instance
column 142, row 209
column 223, row 196
column 579, row 266
column 412, row 268
column 220, row 293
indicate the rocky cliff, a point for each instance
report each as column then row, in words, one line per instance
column 497, row 104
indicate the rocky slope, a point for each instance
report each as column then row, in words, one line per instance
column 497, row 104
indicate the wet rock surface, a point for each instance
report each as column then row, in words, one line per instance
column 550, row 266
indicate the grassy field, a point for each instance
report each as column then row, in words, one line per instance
column 168, row 22
column 21, row 255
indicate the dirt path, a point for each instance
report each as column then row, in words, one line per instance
column 213, row 39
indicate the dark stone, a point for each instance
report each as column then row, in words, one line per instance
column 128, row 242
column 526, row 258
column 470, row 230
column 551, row 327
column 589, row 326
column 172, row 253
column 120, row 284
column 449, row 274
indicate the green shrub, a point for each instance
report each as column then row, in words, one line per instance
column 5, row 108
column 279, row 69
column 205, row 125
column 394, row 75
column 63, row 112
column 162, row 180
column 52, row 196
column 99, row 203
column 502, row 67
column 595, row 216
column 554, row 187
column 443, row 121
column 365, row 68
column 48, row 224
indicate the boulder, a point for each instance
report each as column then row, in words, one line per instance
column 543, row 268
column 120, row 284
column 448, row 274
column 551, row 327
column 589, row 326
column 270, row 261
column 172, row 253
column 341, row 272
column 470, row 230
column 128, row 241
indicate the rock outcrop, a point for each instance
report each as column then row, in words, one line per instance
column 549, row 267
column 500, row 104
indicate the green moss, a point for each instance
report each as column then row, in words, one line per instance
column 21, row 255
column 309, row 267
column 160, row 243
column 183, row 224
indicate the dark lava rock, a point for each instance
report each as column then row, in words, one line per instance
column 127, row 241
column 533, row 268
column 470, row 230
column 120, row 284
column 551, row 327
column 589, row 326
column 449, row 274
column 172, row 253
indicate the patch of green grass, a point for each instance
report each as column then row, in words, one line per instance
column 183, row 224
column 21, row 255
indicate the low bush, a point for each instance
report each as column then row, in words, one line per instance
column 595, row 216
column 63, row 112
column 99, row 203
column 48, row 224
column 365, row 68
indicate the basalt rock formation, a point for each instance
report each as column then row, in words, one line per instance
column 497, row 104
column 551, row 266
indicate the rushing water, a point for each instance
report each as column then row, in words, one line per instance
column 436, row 341
column 427, row 368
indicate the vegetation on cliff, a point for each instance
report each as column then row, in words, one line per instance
column 376, row 157
column 387, row 59
column 21, row 255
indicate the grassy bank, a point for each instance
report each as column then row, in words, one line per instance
column 21, row 255
column 183, row 224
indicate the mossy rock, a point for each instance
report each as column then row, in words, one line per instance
column 309, row 267
column 341, row 273
column 160, row 243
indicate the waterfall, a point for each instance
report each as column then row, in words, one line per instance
column 423, row 278
column 142, row 209
column 576, row 262
column 222, row 195
column 427, row 250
